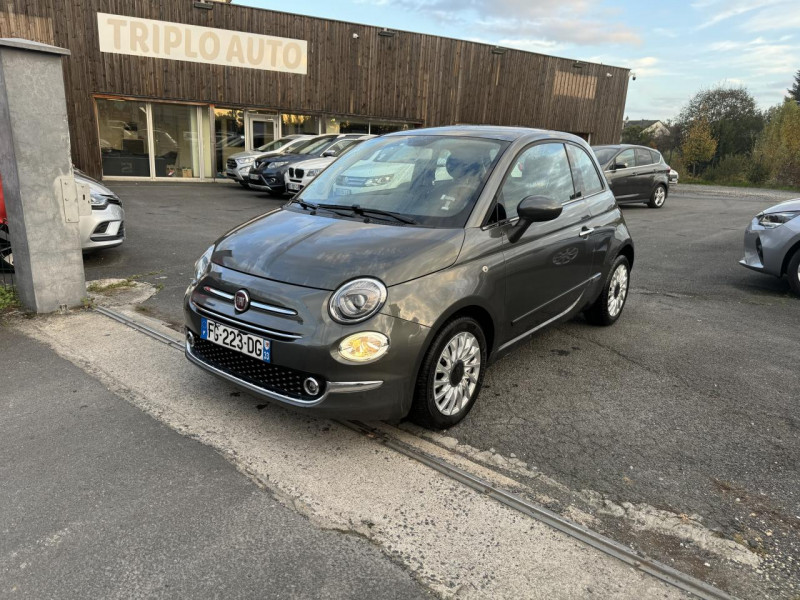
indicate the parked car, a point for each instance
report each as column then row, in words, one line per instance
column 103, row 228
column 268, row 174
column 635, row 173
column 377, row 305
column 300, row 174
column 672, row 177
column 238, row 165
column 772, row 242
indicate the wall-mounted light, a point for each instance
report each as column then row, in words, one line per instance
column 499, row 50
column 577, row 65
column 609, row 75
column 203, row 4
column 387, row 33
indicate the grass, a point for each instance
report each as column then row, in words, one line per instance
column 110, row 287
column 688, row 180
column 8, row 298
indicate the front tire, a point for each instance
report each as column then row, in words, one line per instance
column 793, row 272
column 451, row 375
column 659, row 197
column 608, row 306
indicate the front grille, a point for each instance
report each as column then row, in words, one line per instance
column 291, row 172
column 281, row 380
column 231, row 163
column 352, row 181
column 299, row 173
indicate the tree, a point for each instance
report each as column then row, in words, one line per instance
column 794, row 91
column 778, row 146
column 698, row 145
column 732, row 114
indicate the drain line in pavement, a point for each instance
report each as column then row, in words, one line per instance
column 591, row 538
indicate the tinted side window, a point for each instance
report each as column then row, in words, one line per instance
column 656, row 156
column 541, row 170
column 587, row 181
column 643, row 157
column 625, row 158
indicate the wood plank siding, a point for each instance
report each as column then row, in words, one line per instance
column 417, row 78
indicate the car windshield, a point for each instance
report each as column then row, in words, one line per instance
column 428, row 180
column 604, row 154
column 339, row 147
column 313, row 145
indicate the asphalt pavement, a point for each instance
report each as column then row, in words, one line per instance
column 687, row 404
column 100, row 500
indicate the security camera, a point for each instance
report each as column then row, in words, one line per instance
column 355, row 36
column 633, row 75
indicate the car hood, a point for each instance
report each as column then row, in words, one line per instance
column 323, row 252
column 315, row 163
column 94, row 186
column 789, row 205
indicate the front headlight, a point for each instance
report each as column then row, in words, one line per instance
column 357, row 300
column 248, row 160
column 277, row 164
column 364, row 347
column 202, row 263
column 772, row 220
column 99, row 201
column 313, row 172
column 382, row 180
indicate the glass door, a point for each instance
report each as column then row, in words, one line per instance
column 261, row 130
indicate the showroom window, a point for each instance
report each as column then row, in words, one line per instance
column 176, row 141
column 122, row 126
column 291, row 124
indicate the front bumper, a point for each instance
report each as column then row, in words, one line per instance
column 239, row 174
column 103, row 228
column 270, row 181
column 765, row 247
column 304, row 345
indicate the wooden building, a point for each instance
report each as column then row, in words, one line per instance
column 171, row 88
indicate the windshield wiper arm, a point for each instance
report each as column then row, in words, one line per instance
column 360, row 210
column 304, row 204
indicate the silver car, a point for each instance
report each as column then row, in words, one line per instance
column 105, row 227
column 772, row 242
column 237, row 167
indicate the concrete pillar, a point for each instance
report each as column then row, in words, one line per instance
column 36, row 167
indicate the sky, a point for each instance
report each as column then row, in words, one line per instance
column 675, row 48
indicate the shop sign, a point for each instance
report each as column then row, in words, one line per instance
column 176, row 41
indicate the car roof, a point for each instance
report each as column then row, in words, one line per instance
column 493, row 132
column 622, row 147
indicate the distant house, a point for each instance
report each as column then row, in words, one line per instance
column 655, row 128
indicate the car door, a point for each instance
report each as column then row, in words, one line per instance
column 548, row 267
column 645, row 173
column 620, row 172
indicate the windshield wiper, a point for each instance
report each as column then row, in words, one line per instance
column 304, row 204
column 360, row 210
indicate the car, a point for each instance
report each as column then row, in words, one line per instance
column 383, row 305
column 635, row 173
column 300, row 174
column 103, row 228
column 238, row 165
column 672, row 178
column 772, row 242
column 268, row 174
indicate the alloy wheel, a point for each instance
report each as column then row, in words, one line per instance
column 457, row 372
column 660, row 196
column 617, row 290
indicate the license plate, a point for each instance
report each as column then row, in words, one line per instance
column 294, row 186
column 234, row 339
column 341, row 191
column 254, row 176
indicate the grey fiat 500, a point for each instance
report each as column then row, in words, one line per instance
column 388, row 285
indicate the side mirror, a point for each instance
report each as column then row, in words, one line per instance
column 329, row 153
column 617, row 165
column 534, row 209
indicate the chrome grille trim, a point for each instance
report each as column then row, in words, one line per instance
column 263, row 307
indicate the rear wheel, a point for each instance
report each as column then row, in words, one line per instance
column 659, row 197
column 793, row 272
column 451, row 375
column 608, row 306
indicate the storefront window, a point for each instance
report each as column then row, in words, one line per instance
column 380, row 128
column 229, row 132
column 345, row 125
column 299, row 124
column 122, row 127
column 176, row 145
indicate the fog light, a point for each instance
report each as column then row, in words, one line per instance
column 311, row 386
column 364, row 347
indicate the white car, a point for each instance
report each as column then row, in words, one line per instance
column 238, row 165
column 300, row 174
column 105, row 227
column 385, row 170
column 672, row 178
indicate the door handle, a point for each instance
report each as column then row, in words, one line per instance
column 586, row 231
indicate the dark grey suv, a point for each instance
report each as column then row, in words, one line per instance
column 389, row 284
column 635, row 173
